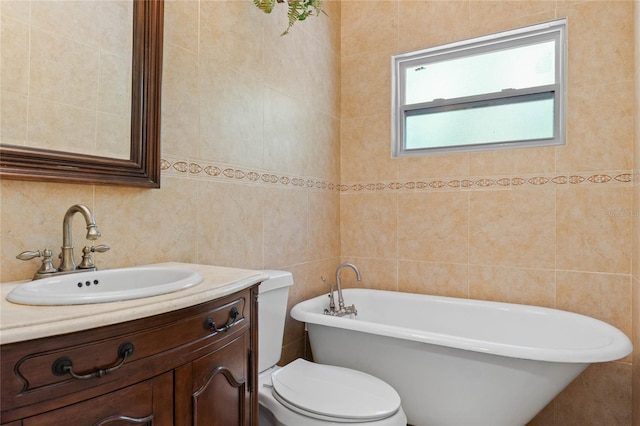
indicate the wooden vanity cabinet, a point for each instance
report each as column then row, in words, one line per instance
column 194, row 366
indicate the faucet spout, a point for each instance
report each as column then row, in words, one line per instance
column 341, row 307
column 67, row 262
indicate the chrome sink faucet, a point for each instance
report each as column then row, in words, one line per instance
column 342, row 309
column 67, row 262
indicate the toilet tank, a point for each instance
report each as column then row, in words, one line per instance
column 272, row 311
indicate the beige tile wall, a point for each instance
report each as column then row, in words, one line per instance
column 636, row 227
column 252, row 160
column 250, row 149
column 544, row 226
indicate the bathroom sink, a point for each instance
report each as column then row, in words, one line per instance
column 109, row 285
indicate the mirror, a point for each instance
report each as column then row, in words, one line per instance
column 140, row 163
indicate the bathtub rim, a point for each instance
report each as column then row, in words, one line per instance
column 617, row 348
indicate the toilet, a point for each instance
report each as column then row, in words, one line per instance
column 304, row 393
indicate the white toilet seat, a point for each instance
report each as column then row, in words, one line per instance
column 333, row 393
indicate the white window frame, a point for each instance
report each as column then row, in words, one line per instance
column 554, row 30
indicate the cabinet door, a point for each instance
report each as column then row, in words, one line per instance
column 147, row 403
column 214, row 390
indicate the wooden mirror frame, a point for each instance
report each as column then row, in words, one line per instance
column 143, row 167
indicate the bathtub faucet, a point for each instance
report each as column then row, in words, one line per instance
column 345, row 310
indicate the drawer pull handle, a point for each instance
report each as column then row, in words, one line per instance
column 64, row 365
column 210, row 324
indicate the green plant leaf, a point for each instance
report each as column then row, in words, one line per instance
column 265, row 5
column 299, row 10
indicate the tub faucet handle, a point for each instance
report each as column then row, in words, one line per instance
column 332, row 303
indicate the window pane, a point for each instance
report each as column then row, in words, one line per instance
column 510, row 68
column 489, row 124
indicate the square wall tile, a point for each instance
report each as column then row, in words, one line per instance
column 366, row 88
column 231, row 35
column 357, row 37
column 600, row 41
column 512, row 228
column 434, row 226
column 228, row 218
column 591, row 235
column 368, row 225
column 366, row 150
column 231, row 115
column 599, row 128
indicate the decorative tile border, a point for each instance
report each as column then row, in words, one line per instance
column 201, row 170
column 204, row 170
column 483, row 183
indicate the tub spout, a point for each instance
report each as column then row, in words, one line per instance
column 345, row 310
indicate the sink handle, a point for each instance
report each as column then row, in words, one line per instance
column 64, row 365
column 210, row 324
column 47, row 260
column 101, row 248
column 28, row 255
column 87, row 260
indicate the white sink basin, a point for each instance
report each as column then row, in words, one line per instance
column 110, row 285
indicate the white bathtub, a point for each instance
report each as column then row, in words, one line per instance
column 461, row 362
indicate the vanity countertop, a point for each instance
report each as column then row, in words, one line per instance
column 26, row 322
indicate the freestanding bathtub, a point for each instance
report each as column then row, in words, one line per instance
column 460, row 362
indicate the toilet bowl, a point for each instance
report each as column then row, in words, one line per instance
column 303, row 393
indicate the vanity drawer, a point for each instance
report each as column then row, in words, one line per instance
column 114, row 356
column 143, row 403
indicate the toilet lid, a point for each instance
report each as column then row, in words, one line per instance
column 333, row 393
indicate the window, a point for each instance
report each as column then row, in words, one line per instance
column 505, row 90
